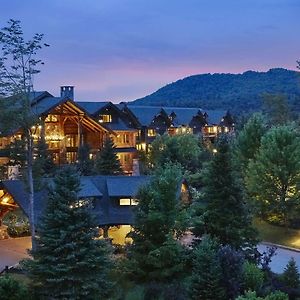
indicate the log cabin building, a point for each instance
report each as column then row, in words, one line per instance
column 111, row 199
column 65, row 124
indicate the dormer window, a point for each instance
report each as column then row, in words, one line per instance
column 105, row 119
column 128, row 201
column 151, row 132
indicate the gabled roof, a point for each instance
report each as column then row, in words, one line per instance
column 145, row 114
column 119, row 186
column 92, row 107
column 103, row 188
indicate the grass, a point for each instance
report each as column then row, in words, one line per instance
column 277, row 235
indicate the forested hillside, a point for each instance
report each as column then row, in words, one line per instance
column 237, row 92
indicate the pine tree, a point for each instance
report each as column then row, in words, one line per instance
column 155, row 255
column 69, row 262
column 226, row 216
column 206, row 279
column 107, row 162
column 85, row 164
column 291, row 276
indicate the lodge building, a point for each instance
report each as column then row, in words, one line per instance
column 65, row 124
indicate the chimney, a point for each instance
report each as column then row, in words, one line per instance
column 67, row 91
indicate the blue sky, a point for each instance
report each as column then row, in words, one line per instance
column 124, row 49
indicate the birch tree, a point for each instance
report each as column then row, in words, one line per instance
column 18, row 65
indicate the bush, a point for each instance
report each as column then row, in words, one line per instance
column 249, row 296
column 277, row 296
column 11, row 289
column 253, row 277
column 18, row 229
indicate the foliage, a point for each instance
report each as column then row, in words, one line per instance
column 11, row 289
column 85, row 164
column 237, row 92
column 227, row 216
column 155, row 255
column 290, row 276
column 273, row 178
column 276, row 109
column 248, row 140
column 253, row 277
column 67, row 236
column 18, row 227
column 43, row 165
column 277, row 295
column 107, row 162
column 184, row 149
column 18, row 65
column 206, row 279
column 231, row 263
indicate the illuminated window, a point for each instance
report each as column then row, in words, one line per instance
column 71, row 140
column 125, row 201
column 151, row 132
column 71, row 157
column 51, row 118
column 128, row 201
column 123, row 138
column 105, row 119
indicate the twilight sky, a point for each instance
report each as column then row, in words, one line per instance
column 124, row 49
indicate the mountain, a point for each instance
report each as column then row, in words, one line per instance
column 235, row 92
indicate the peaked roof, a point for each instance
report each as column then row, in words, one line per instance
column 92, row 107
column 145, row 114
column 103, row 188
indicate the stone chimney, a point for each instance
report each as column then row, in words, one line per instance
column 67, row 91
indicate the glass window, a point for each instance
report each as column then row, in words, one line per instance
column 105, row 118
column 125, row 201
column 151, row 132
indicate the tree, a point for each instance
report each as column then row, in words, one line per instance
column 155, row 255
column 248, row 140
column 206, row 279
column 276, row 109
column 227, row 216
column 291, row 276
column 107, row 161
column 184, row 149
column 273, row 178
column 253, row 277
column 231, row 262
column 85, row 164
column 18, row 65
column 11, row 288
column 69, row 261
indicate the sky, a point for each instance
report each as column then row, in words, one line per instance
column 121, row 50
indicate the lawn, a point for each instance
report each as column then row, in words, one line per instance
column 277, row 235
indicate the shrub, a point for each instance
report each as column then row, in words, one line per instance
column 18, row 228
column 11, row 289
column 277, row 296
column 253, row 277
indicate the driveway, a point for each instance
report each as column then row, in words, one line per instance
column 13, row 250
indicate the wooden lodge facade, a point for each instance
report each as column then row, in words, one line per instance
column 65, row 124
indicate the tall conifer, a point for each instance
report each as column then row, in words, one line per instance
column 69, row 262
column 107, row 161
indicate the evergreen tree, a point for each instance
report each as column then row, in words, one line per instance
column 107, row 162
column 291, row 276
column 85, row 164
column 69, row 262
column 273, row 178
column 249, row 139
column 12, row 289
column 43, row 165
column 226, row 216
column 206, row 279
column 155, row 255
